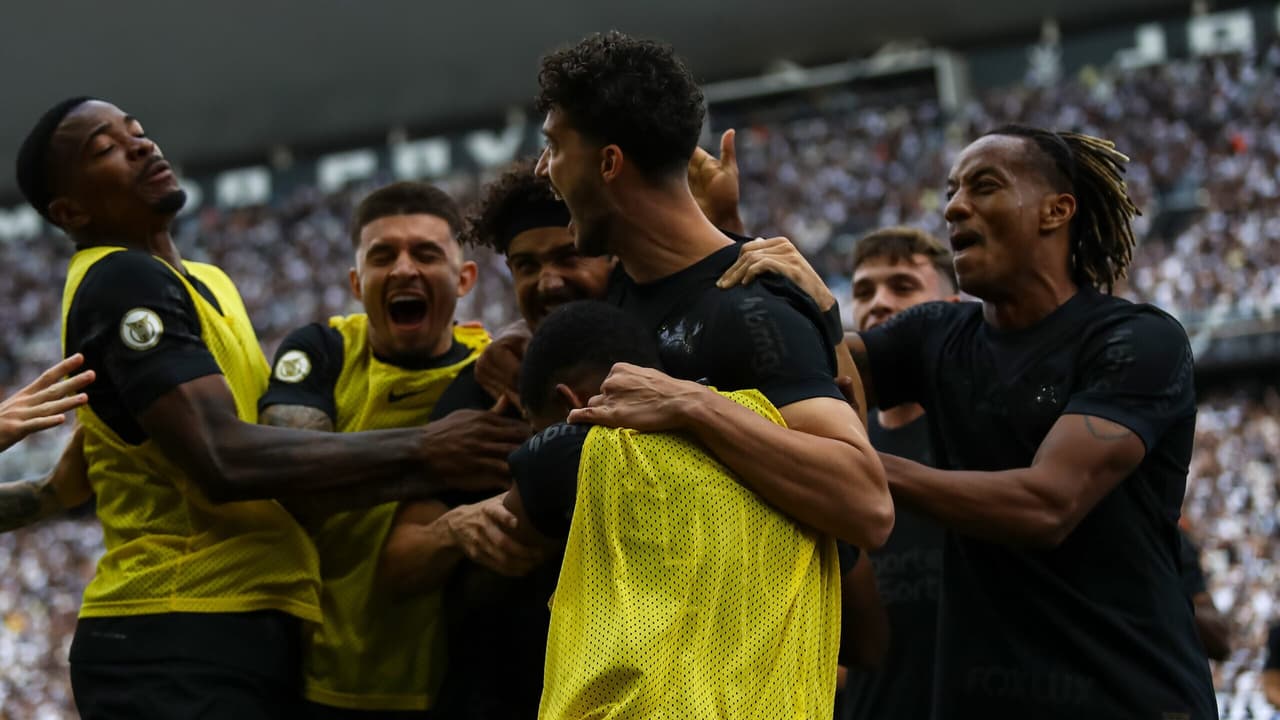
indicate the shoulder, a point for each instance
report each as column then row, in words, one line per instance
column 1122, row 333
column 128, row 272
column 1151, row 322
column 553, row 453
column 314, row 335
column 463, row 393
column 305, row 349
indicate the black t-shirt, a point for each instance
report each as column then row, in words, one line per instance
column 497, row 625
column 769, row 335
column 908, row 573
column 1100, row 626
column 133, row 370
column 1193, row 582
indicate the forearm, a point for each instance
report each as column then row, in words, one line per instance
column 1003, row 506
column 254, row 461
column 864, row 637
column 827, row 484
column 419, row 558
column 23, row 502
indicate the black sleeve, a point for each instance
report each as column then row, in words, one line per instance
column 1192, row 576
column 464, row 393
column 833, row 325
column 135, row 322
column 1273, row 648
column 897, row 352
column 1137, row 372
column 545, row 471
column 306, row 369
column 763, row 342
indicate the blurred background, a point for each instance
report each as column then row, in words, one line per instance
column 281, row 115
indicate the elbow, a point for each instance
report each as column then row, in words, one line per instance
column 871, row 510
column 221, row 481
column 1052, row 527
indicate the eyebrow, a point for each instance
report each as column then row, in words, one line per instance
column 101, row 128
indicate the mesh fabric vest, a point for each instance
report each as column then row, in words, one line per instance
column 168, row 548
column 376, row 650
column 683, row 595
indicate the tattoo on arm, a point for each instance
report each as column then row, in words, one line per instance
column 23, row 502
column 1103, row 433
column 299, row 417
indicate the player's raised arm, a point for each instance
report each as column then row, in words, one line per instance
column 196, row 425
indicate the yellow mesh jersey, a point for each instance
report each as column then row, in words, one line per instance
column 168, row 548
column 683, row 595
column 376, row 650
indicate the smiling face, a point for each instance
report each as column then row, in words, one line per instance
column 548, row 271
column 1001, row 212
column 109, row 178
column 409, row 275
column 572, row 163
column 884, row 287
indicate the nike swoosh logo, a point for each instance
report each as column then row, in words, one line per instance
column 393, row 396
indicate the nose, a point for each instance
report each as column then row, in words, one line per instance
column 404, row 266
column 957, row 208
column 549, row 281
column 543, row 160
column 882, row 303
column 142, row 148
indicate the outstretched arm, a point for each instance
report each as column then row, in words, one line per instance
column 24, row 502
column 1081, row 460
column 196, row 426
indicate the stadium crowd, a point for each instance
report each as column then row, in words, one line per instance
column 1206, row 162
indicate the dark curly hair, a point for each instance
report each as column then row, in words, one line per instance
column 637, row 94
column 1092, row 170
column 517, row 200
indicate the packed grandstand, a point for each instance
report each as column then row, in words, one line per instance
column 1206, row 171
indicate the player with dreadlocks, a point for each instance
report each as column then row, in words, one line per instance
column 1062, row 421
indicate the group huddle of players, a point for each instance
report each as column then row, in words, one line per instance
column 652, row 496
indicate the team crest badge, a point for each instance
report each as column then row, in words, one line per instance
column 141, row 329
column 294, row 366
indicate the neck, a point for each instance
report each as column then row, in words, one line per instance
column 156, row 242
column 900, row 416
column 661, row 231
column 1029, row 301
column 436, row 349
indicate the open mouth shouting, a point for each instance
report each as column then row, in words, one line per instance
column 406, row 309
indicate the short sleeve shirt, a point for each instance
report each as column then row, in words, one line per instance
column 769, row 335
column 131, row 285
column 1100, row 626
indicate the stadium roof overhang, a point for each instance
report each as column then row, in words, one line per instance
column 222, row 82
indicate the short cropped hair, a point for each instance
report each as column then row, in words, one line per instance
column 901, row 244
column 34, row 174
column 576, row 340
column 405, row 198
column 637, row 94
column 517, row 201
